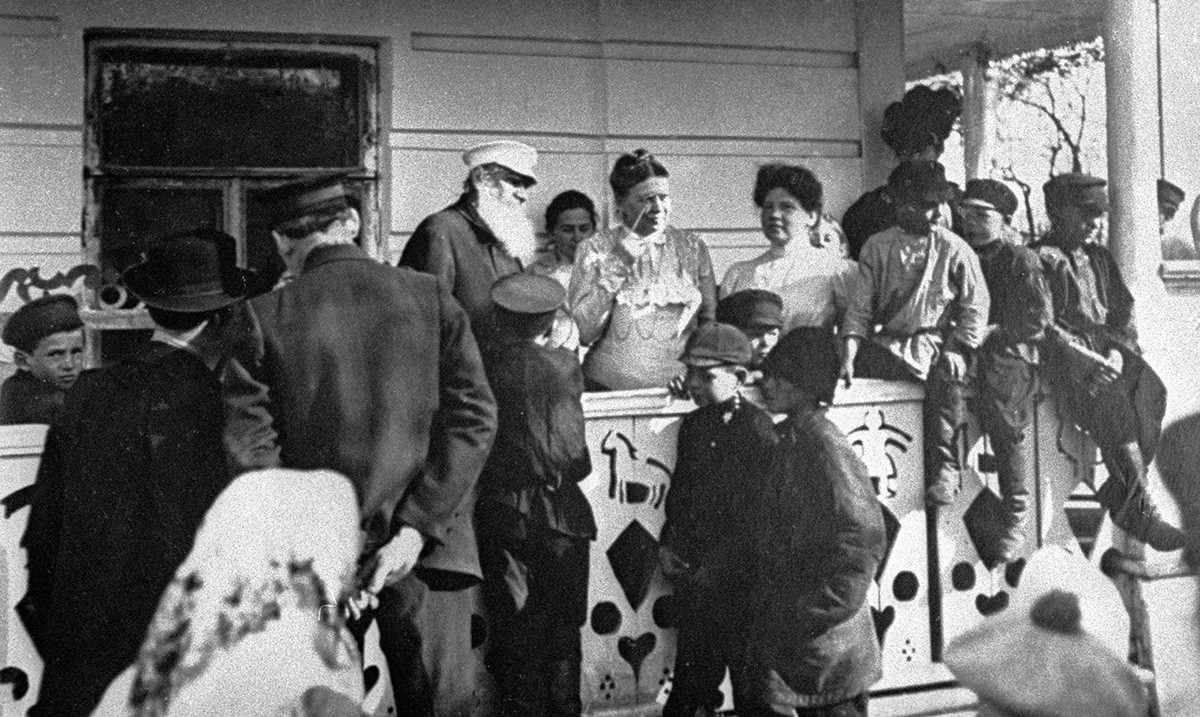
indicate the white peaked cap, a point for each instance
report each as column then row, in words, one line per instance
column 519, row 157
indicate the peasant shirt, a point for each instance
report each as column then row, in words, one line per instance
column 636, row 313
column 922, row 291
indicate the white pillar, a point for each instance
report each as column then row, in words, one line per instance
column 880, row 28
column 1130, row 46
column 979, row 113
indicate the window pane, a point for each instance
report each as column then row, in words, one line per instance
column 133, row 216
column 203, row 108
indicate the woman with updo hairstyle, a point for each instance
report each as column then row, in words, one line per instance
column 570, row 219
column 639, row 289
column 804, row 264
column 915, row 128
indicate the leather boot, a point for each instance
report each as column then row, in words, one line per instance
column 1125, row 496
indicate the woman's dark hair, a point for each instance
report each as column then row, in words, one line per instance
column 633, row 168
column 570, row 199
column 793, row 179
column 923, row 118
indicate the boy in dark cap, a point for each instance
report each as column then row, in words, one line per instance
column 46, row 335
column 818, row 540
column 723, row 449
column 759, row 315
column 1170, row 196
column 129, row 469
column 1007, row 377
column 922, row 285
column 1094, row 363
column 534, row 522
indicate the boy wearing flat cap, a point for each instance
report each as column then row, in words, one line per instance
column 1093, row 360
column 1174, row 247
column 534, row 522
column 818, row 541
column 723, row 450
column 1007, row 363
column 46, row 335
column 128, row 471
column 758, row 313
column 917, row 312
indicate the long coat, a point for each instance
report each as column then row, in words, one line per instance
column 372, row 371
column 820, row 538
column 458, row 248
column 126, row 477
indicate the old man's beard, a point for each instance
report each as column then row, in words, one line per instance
column 511, row 225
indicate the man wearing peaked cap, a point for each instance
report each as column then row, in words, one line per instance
column 372, row 371
column 723, row 450
column 535, row 524
column 1177, row 244
column 1007, row 378
column 128, row 472
column 46, row 335
column 759, row 315
column 484, row 235
column 1094, row 363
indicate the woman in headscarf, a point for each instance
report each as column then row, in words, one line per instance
column 250, row 624
column 638, row 290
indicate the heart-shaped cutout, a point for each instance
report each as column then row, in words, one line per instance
column 883, row 620
column 990, row 605
column 635, row 650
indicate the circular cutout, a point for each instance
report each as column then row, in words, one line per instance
column 905, row 586
column 962, row 577
column 664, row 612
column 606, row 618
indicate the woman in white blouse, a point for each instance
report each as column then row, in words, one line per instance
column 806, row 262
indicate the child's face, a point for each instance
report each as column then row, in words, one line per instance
column 58, row 358
column 712, row 384
column 762, row 340
column 783, row 396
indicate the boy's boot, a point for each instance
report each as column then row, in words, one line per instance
column 1125, row 496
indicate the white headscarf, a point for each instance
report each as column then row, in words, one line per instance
column 250, row 624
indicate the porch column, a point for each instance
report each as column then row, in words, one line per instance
column 880, row 80
column 1130, row 46
column 979, row 113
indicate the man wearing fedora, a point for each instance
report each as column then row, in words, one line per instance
column 1093, row 361
column 372, row 371
column 485, row 235
column 128, row 471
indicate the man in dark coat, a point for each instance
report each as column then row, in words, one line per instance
column 1093, row 360
column 535, row 523
column 484, row 235
column 372, row 371
column 127, row 474
column 1007, row 363
column 46, row 335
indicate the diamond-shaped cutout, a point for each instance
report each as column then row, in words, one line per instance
column 985, row 526
column 634, row 557
column 891, row 528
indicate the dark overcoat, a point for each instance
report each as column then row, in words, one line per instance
column 458, row 248
column 126, row 476
column 25, row 398
column 372, row 371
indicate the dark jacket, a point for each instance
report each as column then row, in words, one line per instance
column 126, row 477
column 1021, row 310
column 458, row 248
column 1091, row 301
column 540, row 454
column 720, row 467
column 24, row 398
column 820, row 538
column 372, row 371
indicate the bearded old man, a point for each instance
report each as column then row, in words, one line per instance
column 483, row 236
